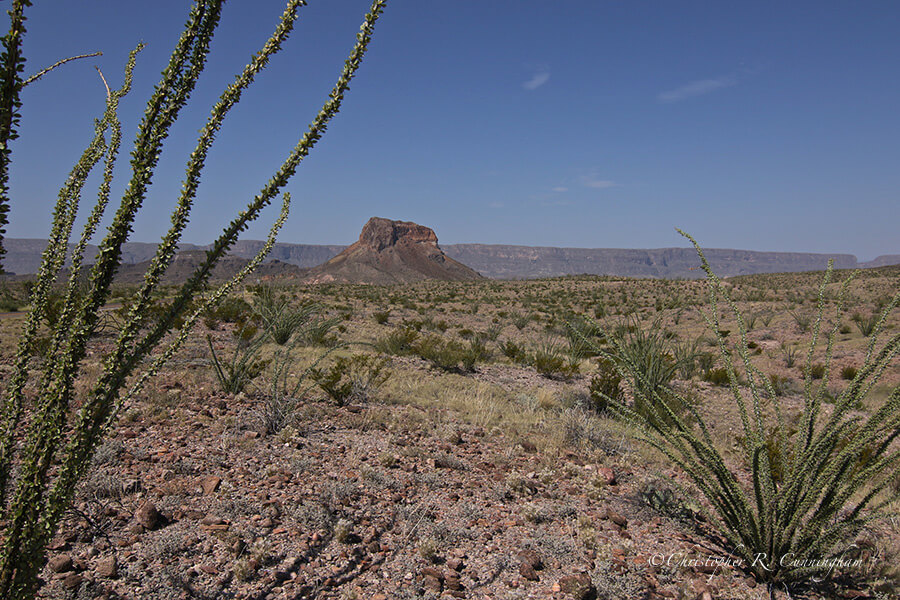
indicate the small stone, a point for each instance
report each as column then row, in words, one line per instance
column 433, row 583
column 452, row 581
column 107, row 567
column 282, row 576
column 147, row 515
column 72, row 581
column 616, row 518
column 532, row 559
column 578, row 586
column 61, row 563
column 528, row 572
column 608, row 475
column 210, row 484
column 455, row 563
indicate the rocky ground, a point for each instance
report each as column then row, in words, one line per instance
column 353, row 503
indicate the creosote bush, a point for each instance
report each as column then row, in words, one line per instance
column 352, row 379
column 47, row 439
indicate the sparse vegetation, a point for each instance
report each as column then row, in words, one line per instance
column 812, row 491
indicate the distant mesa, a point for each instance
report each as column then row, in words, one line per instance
column 391, row 259
column 391, row 252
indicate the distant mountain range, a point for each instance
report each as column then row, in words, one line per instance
column 514, row 262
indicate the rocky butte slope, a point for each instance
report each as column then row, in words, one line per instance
column 391, row 252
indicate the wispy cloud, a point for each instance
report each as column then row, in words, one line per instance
column 496, row 205
column 538, row 79
column 560, row 189
column 592, row 180
column 697, row 88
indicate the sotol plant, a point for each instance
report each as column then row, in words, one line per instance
column 47, row 438
column 811, row 488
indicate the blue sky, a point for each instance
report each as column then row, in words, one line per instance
column 756, row 125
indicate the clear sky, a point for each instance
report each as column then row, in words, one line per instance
column 755, row 125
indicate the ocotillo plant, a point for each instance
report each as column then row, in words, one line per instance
column 44, row 439
column 811, row 490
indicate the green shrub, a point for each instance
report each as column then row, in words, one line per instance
column 717, row 376
column 552, row 361
column 650, row 352
column 381, row 316
column 398, row 342
column 244, row 365
column 781, row 384
column 232, row 309
column 802, row 320
column 280, row 318
column 606, row 385
column 513, row 351
column 317, row 331
column 866, row 325
column 447, row 355
column 815, row 371
column 789, row 353
column 353, row 379
column 849, row 373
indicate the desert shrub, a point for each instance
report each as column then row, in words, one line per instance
column 317, row 330
column 686, row 356
column 551, row 360
column 521, row 321
column 244, row 365
column 706, row 361
column 381, row 316
column 477, row 352
column 447, row 355
column 662, row 497
column 650, row 352
column 513, row 351
column 781, row 384
column 717, row 376
column 849, row 373
column 815, row 371
column 582, row 336
column 398, row 342
column 789, row 353
column 492, row 333
column 8, row 302
column 866, row 325
column 802, row 320
column 232, row 309
column 812, row 488
column 607, row 383
column 280, row 319
column 352, row 379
